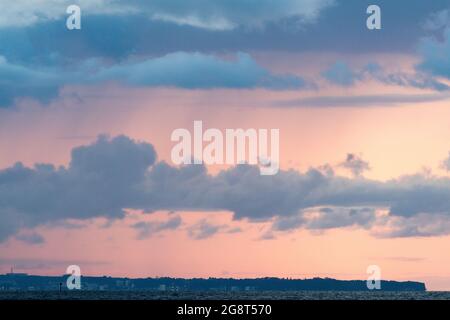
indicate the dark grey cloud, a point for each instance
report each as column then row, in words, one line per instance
column 289, row 223
column 378, row 224
column 327, row 218
column 203, row 229
column 355, row 164
column 420, row 225
column 100, row 181
column 148, row 229
column 111, row 175
column 342, row 217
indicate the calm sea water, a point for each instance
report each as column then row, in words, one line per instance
column 265, row 295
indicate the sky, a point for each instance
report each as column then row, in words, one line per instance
column 86, row 117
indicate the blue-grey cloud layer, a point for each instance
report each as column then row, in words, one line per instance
column 338, row 27
column 174, row 42
column 207, row 14
column 436, row 55
column 111, row 175
column 361, row 101
column 340, row 73
column 182, row 70
column 198, row 71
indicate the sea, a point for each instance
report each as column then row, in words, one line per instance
column 222, row 295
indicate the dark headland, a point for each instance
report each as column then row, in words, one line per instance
column 18, row 281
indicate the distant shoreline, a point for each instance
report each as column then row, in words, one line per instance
column 25, row 282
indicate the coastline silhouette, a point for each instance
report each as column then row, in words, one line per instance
column 27, row 282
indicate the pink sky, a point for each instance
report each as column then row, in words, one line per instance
column 394, row 140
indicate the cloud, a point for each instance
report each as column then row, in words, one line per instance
column 438, row 20
column 39, row 55
column 268, row 235
column 34, row 34
column 203, row 229
column 226, row 15
column 234, row 230
column 207, row 14
column 183, row 70
column 195, row 70
column 355, row 164
column 435, row 56
column 23, row 13
column 288, row 223
column 386, row 100
column 417, row 80
column 340, row 73
column 111, row 175
column 446, row 163
column 147, row 229
column 420, row 225
column 327, row 218
column 30, row 238
column 379, row 225
column 20, row 81
column 101, row 180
